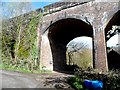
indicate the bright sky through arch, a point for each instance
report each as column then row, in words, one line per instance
column 113, row 41
column 82, row 39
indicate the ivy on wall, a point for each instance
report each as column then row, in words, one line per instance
column 19, row 41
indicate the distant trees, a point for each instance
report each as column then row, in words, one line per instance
column 13, row 9
column 79, row 54
column 115, row 30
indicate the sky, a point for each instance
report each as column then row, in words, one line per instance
column 37, row 5
column 79, row 42
column 87, row 40
column 41, row 3
column 113, row 40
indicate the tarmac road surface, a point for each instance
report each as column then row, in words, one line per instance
column 12, row 79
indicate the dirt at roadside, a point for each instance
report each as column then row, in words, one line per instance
column 55, row 80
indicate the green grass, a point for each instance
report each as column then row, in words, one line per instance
column 13, row 68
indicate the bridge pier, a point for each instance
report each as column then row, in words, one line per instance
column 49, row 46
column 96, row 16
column 52, row 55
column 46, row 59
column 99, row 50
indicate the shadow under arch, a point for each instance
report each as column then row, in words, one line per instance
column 60, row 33
column 113, row 60
column 113, row 57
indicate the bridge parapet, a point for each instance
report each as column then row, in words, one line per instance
column 58, row 6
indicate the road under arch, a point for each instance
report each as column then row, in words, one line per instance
column 60, row 34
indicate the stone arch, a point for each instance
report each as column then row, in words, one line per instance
column 64, row 16
column 100, row 59
column 113, row 55
column 59, row 33
column 113, row 20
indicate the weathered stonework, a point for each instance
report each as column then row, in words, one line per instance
column 95, row 14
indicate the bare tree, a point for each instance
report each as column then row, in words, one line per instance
column 115, row 30
column 13, row 26
column 13, row 9
column 75, row 47
column 19, row 39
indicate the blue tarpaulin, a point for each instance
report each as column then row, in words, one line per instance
column 93, row 84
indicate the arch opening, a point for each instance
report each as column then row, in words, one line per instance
column 60, row 34
column 112, row 31
column 79, row 53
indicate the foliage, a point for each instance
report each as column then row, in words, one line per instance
column 79, row 53
column 111, row 79
column 13, row 68
column 76, row 83
column 19, row 41
column 82, row 59
column 115, row 30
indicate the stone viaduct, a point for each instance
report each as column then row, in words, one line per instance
column 62, row 24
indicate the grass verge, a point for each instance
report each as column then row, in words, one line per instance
column 13, row 68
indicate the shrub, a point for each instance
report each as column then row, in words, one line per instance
column 111, row 79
